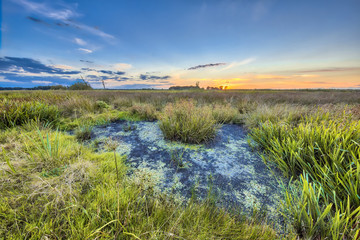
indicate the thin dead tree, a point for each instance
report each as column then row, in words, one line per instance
column 103, row 83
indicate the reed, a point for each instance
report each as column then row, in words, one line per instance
column 188, row 123
column 325, row 153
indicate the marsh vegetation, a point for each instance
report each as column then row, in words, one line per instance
column 58, row 186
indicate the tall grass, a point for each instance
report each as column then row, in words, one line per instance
column 144, row 111
column 188, row 123
column 325, row 153
column 83, row 132
column 225, row 113
column 13, row 113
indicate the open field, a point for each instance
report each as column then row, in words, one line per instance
column 59, row 181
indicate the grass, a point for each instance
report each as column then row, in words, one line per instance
column 93, row 197
column 144, row 111
column 324, row 152
column 83, row 133
column 225, row 113
column 179, row 123
column 56, row 187
column 13, row 113
column 177, row 158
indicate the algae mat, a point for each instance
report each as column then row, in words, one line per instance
column 227, row 166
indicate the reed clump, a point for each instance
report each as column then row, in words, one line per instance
column 15, row 113
column 185, row 122
column 323, row 150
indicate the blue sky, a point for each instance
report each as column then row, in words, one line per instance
column 157, row 44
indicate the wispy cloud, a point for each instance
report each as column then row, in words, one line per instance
column 271, row 77
column 42, row 82
column 63, row 16
column 153, row 77
column 122, row 66
column 65, row 67
column 316, row 82
column 140, row 86
column 240, row 63
column 305, row 75
column 85, row 50
column 331, row 69
column 79, row 41
column 19, row 65
column 4, row 80
column 86, row 61
column 43, row 9
column 111, row 72
column 37, row 20
column 206, row 65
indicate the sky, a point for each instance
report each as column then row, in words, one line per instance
column 133, row 44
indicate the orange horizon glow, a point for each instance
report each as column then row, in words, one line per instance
column 305, row 81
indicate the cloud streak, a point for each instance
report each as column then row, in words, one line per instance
column 37, row 20
column 86, row 61
column 206, row 66
column 153, row 77
column 63, row 16
column 235, row 64
column 331, row 69
column 79, row 41
column 15, row 64
column 85, row 50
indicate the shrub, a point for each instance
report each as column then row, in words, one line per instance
column 83, row 133
column 144, row 111
column 102, row 105
column 13, row 113
column 184, row 121
column 80, row 86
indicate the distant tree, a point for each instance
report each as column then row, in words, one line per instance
column 80, row 86
column 58, row 87
column 212, row 88
column 41, row 88
column 196, row 87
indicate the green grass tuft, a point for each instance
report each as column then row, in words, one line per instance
column 188, row 123
column 326, row 154
column 14, row 113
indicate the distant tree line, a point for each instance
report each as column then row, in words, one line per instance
column 217, row 88
column 76, row 86
column 197, row 87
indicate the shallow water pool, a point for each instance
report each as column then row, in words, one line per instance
column 237, row 176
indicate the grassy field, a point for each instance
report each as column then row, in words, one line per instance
column 54, row 185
